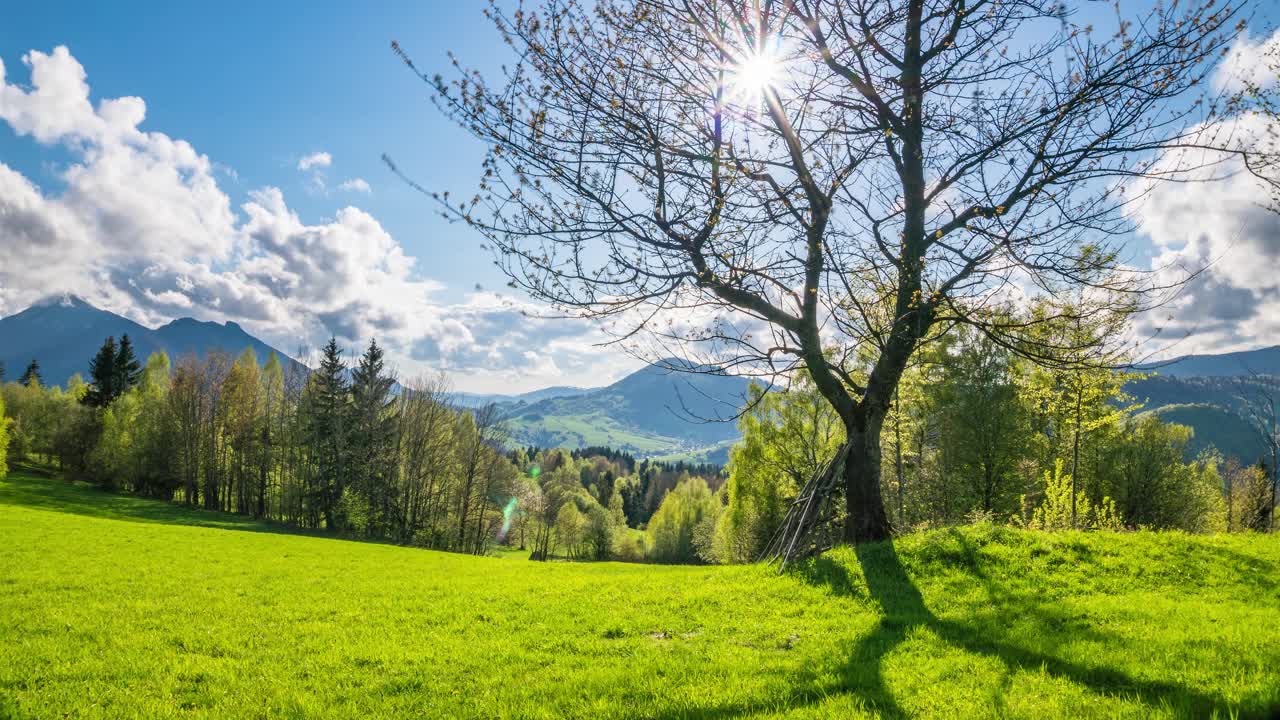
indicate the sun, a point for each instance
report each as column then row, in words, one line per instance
column 757, row 72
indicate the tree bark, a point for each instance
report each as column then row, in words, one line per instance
column 866, row 521
column 897, row 448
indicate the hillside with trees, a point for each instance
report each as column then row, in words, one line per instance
column 975, row 431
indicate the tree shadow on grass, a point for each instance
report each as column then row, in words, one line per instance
column 886, row 581
column 39, row 489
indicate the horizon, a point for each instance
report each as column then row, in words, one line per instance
column 352, row 351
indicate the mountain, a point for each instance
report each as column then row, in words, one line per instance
column 1203, row 392
column 654, row 411
column 1216, row 427
column 64, row 332
column 186, row 336
column 475, row 400
column 1264, row 361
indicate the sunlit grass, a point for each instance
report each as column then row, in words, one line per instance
column 119, row 607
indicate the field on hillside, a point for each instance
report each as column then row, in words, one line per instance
column 594, row 430
column 113, row 606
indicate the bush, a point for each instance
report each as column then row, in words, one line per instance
column 1054, row 512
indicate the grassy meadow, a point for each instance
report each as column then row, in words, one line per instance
column 114, row 606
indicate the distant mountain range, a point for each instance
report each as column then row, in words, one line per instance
column 62, row 333
column 475, row 400
column 657, row 410
column 1264, row 361
column 654, row 412
column 1202, row 392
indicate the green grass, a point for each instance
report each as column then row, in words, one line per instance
column 119, row 607
column 717, row 454
column 594, row 430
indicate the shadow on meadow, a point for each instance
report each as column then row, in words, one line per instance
column 885, row 582
column 879, row 578
column 40, row 489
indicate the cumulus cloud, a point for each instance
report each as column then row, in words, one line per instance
column 356, row 185
column 140, row 226
column 1226, row 233
column 1249, row 63
column 315, row 160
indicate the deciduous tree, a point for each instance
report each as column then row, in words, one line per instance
column 774, row 181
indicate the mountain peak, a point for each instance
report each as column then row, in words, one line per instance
column 66, row 300
column 63, row 331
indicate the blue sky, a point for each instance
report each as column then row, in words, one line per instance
column 257, row 85
column 254, row 88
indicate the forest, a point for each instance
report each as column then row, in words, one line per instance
column 347, row 450
column 975, row 433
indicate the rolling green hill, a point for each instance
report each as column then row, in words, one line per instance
column 1210, row 406
column 114, row 606
column 1215, row 427
column 653, row 411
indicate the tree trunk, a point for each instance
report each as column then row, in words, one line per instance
column 1228, row 481
column 866, row 521
column 1075, row 451
column 897, row 448
column 1275, row 473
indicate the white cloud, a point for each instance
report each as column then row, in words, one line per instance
column 1249, row 63
column 315, row 160
column 142, row 227
column 356, row 185
column 1226, row 232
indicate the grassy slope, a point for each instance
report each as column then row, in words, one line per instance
column 579, row 431
column 116, row 607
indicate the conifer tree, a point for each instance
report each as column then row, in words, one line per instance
column 31, row 376
column 373, row 436
column 328, row 430
column 102, row 376
column 128, row 371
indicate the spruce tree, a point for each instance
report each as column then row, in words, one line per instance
column 31, row 376
column 102, row 376
column 373, row 436
column 328, row 430
column 128, row 371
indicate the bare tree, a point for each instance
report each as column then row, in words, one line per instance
column 426, row 457
column 484, row 433
column 829, row 184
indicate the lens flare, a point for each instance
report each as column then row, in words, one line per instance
column 508, row 514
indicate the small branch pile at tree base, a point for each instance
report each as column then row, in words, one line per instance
column 805, row 531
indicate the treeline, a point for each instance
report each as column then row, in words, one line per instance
column 977, row 432
column 342, row 449
column 331, row 449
